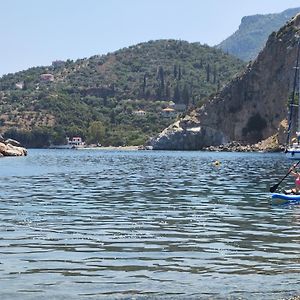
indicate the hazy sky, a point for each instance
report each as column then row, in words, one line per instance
column 36, row 32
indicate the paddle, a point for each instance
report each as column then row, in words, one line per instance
column 274, row 187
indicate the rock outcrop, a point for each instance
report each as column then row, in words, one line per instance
column 11, row 147
column 268, row 145
column 250, row 109
column 188, row 134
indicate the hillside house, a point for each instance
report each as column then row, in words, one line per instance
column 20, row 85
column 75, row 141
column 47, row 77
column 168, row 112
column 180, row 107
column 171, row 104
column 139, row 112
column 58, row 63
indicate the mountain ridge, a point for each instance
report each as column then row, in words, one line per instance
column 66, row 98
column 253, row 32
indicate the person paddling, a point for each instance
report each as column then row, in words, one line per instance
column 296, row 174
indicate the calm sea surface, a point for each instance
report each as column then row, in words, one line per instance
column 146, row 224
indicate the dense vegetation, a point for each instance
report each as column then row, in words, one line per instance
column 253, row 33
column 97, row 98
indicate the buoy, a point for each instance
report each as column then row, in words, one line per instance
column 217, row 163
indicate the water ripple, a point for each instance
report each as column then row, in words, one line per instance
column 147, row 224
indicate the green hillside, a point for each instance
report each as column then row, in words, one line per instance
column 253, row 33
column 98, row 97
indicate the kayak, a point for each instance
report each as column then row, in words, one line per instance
column 285, row 198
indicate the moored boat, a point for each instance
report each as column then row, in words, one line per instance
column 293, row 152
column 293, row 133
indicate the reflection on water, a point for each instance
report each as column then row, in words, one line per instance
column 97, row 224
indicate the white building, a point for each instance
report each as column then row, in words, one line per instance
column 139, row 112
column 47, row 77
column 168, row 112
column 75, row 141
column 20, row 85
column 58, row 63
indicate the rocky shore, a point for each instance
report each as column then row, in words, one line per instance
column 237, row 147
column 11, row 147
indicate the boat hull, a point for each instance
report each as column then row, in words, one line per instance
column 293, row 154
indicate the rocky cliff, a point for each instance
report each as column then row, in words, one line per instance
column 251, row 108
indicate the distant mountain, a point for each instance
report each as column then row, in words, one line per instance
column 253, row 33
column 114, row 99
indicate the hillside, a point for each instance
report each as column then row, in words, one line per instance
column 99, row 98
column 251, row 108
column 253, row 33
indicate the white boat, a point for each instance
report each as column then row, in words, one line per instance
column 74, row 143
column 293, row 152
column 293, row 133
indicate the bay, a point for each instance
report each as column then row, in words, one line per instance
column 146, row 224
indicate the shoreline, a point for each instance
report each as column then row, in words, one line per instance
column 123, row 148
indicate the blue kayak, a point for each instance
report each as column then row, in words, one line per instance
column 284, row 198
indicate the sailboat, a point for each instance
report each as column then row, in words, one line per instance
column 293, row 133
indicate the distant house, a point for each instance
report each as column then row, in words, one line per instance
column 180, row 107
column 168, row 112
column 171, row 104
column 139, row 112
column 47, row 77
column 20, row 85
column 77, row 140
column 58, row 63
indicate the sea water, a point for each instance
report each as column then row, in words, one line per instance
column 79, row 224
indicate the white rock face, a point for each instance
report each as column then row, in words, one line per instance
column 7, row 149
column 187, row 134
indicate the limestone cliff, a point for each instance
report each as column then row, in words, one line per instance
column 250, row 108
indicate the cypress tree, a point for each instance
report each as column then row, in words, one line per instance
column 176, row 94
column 175, row 71
column 161, row 82
column 144, row 85
column 214, row 75
column 179, row 73
column 186, row 95
column 207, row 73
column 168, row 92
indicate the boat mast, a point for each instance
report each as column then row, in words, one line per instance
column 298, row 82
column 292, row 99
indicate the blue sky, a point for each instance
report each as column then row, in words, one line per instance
column 36, row 32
